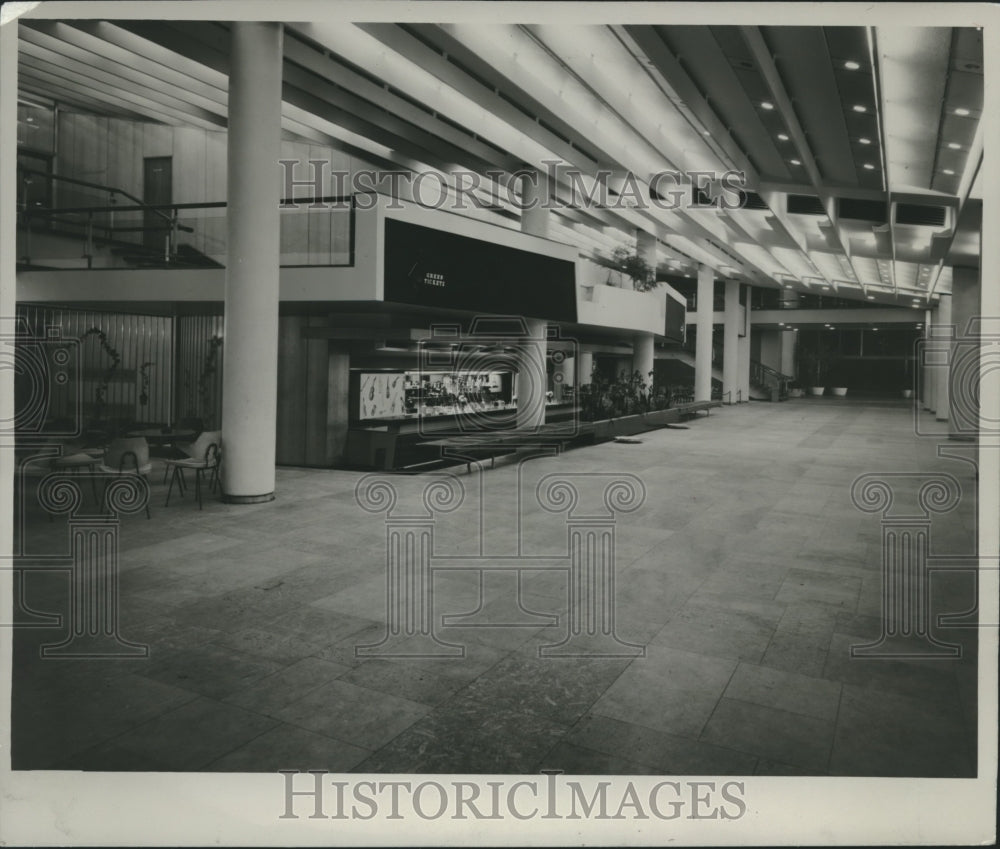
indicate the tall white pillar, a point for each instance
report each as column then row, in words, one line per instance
column 926, row 374
column 730, row 342
column 789, row 339
column 584, row 367
column 534, row 199
column 965, row 360
column 642, row 356
column 703, row 342
column 743, row 356
column 564, row 376
column 942, row 409
column 250, row 365
column 532, row 381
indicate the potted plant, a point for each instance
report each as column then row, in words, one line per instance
column 642, row 274
column 907, row 379
column 836, row 380
column 811, row 370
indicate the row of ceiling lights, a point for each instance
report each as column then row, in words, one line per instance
column 851, row 65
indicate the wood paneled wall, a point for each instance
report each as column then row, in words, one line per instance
column 194, row 343
column 303, row 394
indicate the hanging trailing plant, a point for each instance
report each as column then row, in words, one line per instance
column 144, row 382
column 642, row 274
column 207, row 379
column 101, row 392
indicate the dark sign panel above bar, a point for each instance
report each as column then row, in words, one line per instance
column 676, row 318
column 434, row 268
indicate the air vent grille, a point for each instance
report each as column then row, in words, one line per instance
column 752, row 200
column 915, row 213
column 863, row 210
column 805, row 205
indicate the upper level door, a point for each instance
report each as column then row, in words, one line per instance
column 157, row 188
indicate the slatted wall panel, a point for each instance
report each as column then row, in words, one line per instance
column 194, row 343
column 138, row 339
column 303, row 369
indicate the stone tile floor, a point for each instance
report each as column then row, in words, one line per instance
column 744, row 577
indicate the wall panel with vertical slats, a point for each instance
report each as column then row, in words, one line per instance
column 137, row 338
column 198, row 386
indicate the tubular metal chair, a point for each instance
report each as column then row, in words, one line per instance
column 126, row 457
column 204, row 454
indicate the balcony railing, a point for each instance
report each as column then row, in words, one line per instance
column 95, row 226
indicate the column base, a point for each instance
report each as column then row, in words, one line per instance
column 409, row 645
column 601, row 644
column 247, row 499
column 912, row 647
column 95, row 646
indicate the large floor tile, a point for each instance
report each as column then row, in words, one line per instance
column 467, row 736
column 771, row 733
column 357, row 715
column 290, row 747
column 185, row 739
column 668, row 690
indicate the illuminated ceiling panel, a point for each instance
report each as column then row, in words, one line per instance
column 914, row 67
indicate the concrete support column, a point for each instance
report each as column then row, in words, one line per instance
column 642, row 356
column 564, row 376
column 926, row 374
column 789, row 341
column 963, row 414
column 703, row 343
column 534, row 198
column 250, row 365
column 941, row 374
column 730, row 343
column 743, row 359
column 532, row 381
column 584, row 367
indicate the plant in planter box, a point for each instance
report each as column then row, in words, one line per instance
column 642, row 274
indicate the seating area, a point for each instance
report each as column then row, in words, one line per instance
column 100, row 458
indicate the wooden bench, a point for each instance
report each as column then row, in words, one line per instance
column 692, row 408
column 499, row 443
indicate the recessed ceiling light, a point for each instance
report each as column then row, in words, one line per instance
column 851, row 65
column 782, row 137
column 871, row 297
column 705, row 133
column 765, row 104
column 857, row 107
column 795, row 161
column 961, row 111
column 781, row 324
column 864, row 141
column 874, row 328
column 949, row 172
column 954, row 146
column 868, row 166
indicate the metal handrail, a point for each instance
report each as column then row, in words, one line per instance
column 112, row 190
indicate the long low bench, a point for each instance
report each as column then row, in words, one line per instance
column 498, row 444
column 692, row 408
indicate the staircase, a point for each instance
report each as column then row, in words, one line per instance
column 766, row 384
